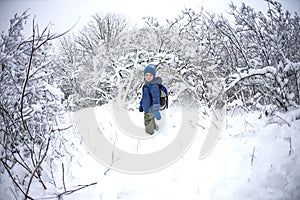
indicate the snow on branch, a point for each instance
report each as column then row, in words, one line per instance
column 238, row 77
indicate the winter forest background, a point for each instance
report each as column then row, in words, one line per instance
column 250, row 61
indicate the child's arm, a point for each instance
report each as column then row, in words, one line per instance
column 155, row 93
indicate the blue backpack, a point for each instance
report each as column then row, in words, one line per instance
column 164, row 100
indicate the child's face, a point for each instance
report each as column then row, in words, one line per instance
column 149, row 77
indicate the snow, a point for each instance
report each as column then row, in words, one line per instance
column 253, row 159
column 195, row 154
column 256, row 157
column 130, row 143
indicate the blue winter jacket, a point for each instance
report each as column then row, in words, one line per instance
column 151, row 102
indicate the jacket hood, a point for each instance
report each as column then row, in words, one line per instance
column 157, row 80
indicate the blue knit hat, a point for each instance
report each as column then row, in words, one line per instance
column 150, row 69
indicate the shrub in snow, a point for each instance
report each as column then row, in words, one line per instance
column 29, row 104
column 262, row 58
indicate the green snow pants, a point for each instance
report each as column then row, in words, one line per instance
column 149, row 122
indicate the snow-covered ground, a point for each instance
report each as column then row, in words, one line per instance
column 255, row 158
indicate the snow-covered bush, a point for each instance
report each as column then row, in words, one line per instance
column 181, row 49
column 29, row 105
column 262, row 56
column 204, row 57
column 67, row 62
column 89, row 57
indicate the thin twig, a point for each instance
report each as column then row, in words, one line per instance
column 252, row 156
column 22, row 162
column 77, row 189
column 62, row 129
column 13, row 179
column 289, row 139
column 284, row 120
column 59, row 196
column 63, row 176
column 108, row 169
column 51, row 170
column 36, row 168
column 26, row 81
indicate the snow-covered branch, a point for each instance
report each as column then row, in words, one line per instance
column 236, row 78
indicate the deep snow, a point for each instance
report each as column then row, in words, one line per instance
column 256, row 157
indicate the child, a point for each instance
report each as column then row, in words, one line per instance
column 150, row 102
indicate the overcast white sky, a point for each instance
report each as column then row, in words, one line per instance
column 65, row 13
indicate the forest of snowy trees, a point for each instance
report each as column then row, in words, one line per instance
column 251, row 61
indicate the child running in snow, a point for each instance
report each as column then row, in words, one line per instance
column 150, row 102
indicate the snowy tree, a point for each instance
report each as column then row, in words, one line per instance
column 203, row 57
column 29, row 105
column 264, row 64
column 96, row 48
column 101, row 30
column 67, row 62
column 199, row 46
column 182, row 50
